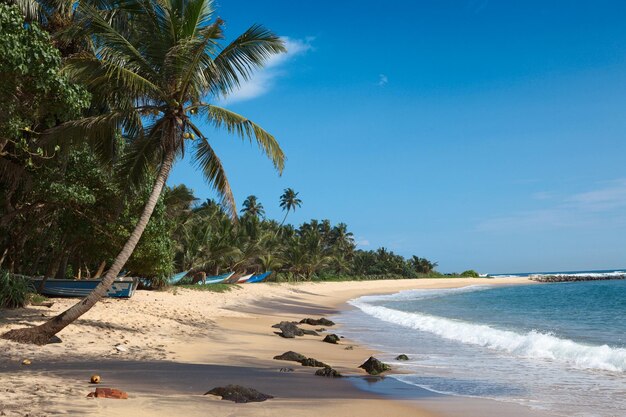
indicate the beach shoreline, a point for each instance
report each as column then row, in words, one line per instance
column 167, row 348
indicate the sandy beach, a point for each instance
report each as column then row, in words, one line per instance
column 175, row 345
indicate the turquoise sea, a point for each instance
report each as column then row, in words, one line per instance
column 555, row 347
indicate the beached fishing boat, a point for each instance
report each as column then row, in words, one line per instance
column 123, row 287
column 175, row 278
column 244, row 278
column 258, row 277
column 216, row 279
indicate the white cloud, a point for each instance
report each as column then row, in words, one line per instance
column 610, row 197
column 382, row 80
column 604, row 205
column 362, row 242
column 263, row 81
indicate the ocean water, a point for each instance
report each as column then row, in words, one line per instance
column 555, row 347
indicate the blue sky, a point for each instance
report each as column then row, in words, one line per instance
column 479, row 134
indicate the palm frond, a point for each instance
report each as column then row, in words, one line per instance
column 143, row 154
column 196, row 14
column 105, row 79
column 111, row 45
column 101, row 132
column 215, row 175
column 30, row 9
column 246, row 129
column 238, row 60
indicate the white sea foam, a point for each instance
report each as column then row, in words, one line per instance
column 533, row 344
column 583, row 274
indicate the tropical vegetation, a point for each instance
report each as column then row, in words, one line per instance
column 100, row 99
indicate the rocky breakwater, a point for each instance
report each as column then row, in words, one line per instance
column 576, row 277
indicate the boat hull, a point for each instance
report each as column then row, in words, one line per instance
column 121, row 288
column 258, row 277
column 244, row 278
column 217, row 279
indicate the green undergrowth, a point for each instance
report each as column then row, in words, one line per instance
column 208, row 287
column 37, row 298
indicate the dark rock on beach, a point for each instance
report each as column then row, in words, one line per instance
column 331, row 338
column 303, row 360
column 288, row 329
column 317, row 322
column 310, row 332
column 290, row 356
column 328, row 372
column 313, row 362
column 239, row 394
column 402, row 357
column 374, row 367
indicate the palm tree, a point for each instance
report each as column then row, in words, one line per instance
column 289, row 201
column 253, row 207
column 153, row 79
column 422, row 265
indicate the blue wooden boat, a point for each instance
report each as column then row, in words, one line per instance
column 217, row 279
column 123, row 287
column 259, row 277
column 175, row 278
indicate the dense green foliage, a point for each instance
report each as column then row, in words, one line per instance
column 14, row 290
column 35, row 95
column 208, row 240
column 73, row 214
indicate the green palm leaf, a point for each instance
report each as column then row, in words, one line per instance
column 244, row 128
column 215, row 175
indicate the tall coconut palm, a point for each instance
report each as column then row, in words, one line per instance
column 156, row 79
column 289, row 201
column 253, row 207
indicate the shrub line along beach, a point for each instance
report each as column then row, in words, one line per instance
column 167, row 348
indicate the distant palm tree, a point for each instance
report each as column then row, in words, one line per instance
column 153, row 78
column 253, row 207
column 289, row 201
column 422, row 265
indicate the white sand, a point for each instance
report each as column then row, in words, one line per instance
column 175, row 332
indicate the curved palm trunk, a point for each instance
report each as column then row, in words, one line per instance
column 284, row 218
column 281, row 225
column 41, row 334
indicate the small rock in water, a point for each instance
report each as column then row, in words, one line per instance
column 239, row 394
column 108, row 393
column 120, row 348
column 374, row 367
column 95, row 379
column 317, row 322
column 285, row 370
column 331, row 338
column 402, row 357
column 26, row 362
column 328, row 372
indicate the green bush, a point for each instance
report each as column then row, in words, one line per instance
column 470, row 273
column 14, row 290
